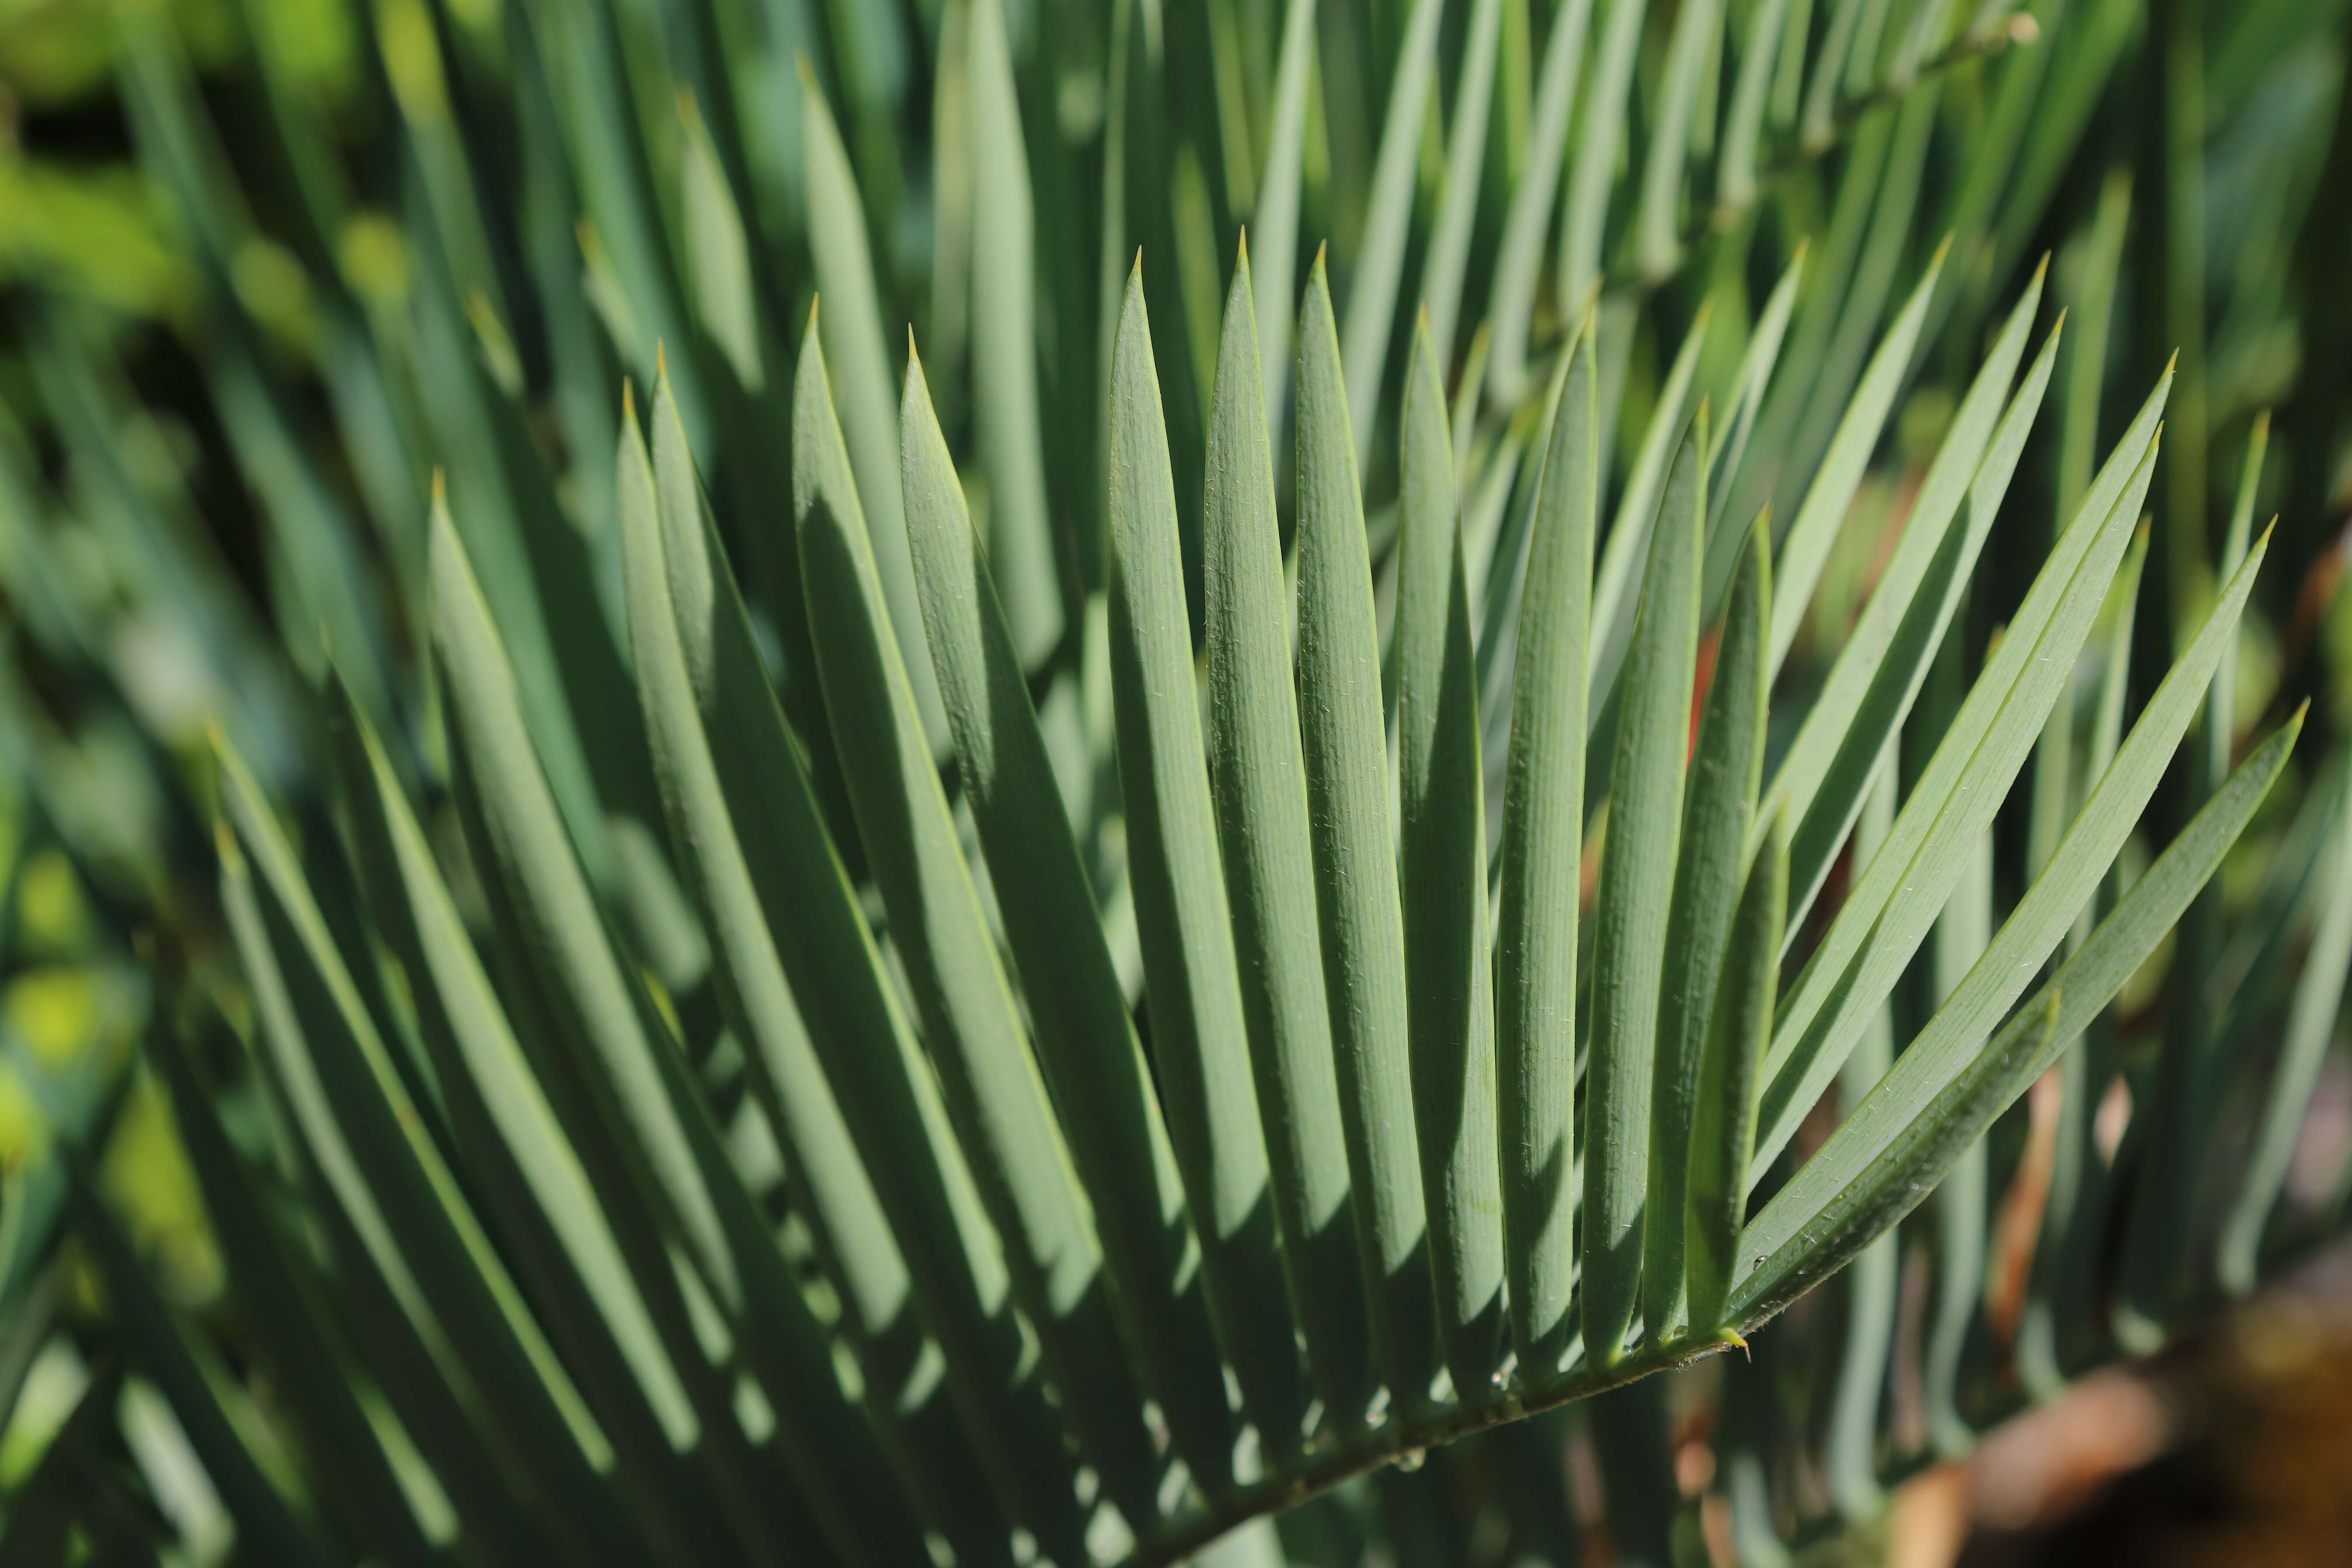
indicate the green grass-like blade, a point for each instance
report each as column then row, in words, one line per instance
column 1884, row 658
column 718, row 251
column 1344, row 743
column 402, row 1202
column 1441, row 866
column 1379, row 267
column 356, row 1474
column 1657, row 226
column 1743, row 121
column 1086, row 1039
column 1723, row 1125
column 1260, row 785
column 1878, row 1164
column 1518, row 258
column 609, row 1296
column 1276, row 219
column 1749, row 383
column 1191, row 978
column 2020, row 682
column 850, row 326
column 1543, row 840
column 1637, row 512
column 1005, row 406
column 1466, row 155
column 881, row 1181
column 2310, row 1026
column 964, row 1005
column 1726, row 766
column 1637, row 875
column 1805, row 548
column 1962, row 933
column 1600, row 138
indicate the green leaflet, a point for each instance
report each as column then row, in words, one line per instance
column 1259, row 782
column 717, row 251
column 1726, row 766
column 1735, row 179
column 1191, row 977
column 850, row 326
column 401, row 1202
column 1657, row 239
column 2310, row 1024
column 1884, row 659
column 1598, row 142
column 1723, row 1124
column 1750, row 381
column 1852, row 968
column 1465, row 151
column 1630, row 532
column 1109, row 1110
column 1387, row 216
column 968, row 1022
column 1344, row 745
column 1805, row 548
column 1543, row 839
column 1276, row 219
column 1510, row 299
column 1004, row 346
column 359, row 1478
column 801, row 981
column 611, row 1298
column 1884, row 1158
column 1637, row 874
column 1441, row 877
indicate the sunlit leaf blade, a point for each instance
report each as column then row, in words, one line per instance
column 1805, row 548
column 1441, row 864
column 1344, row 745
column 1962, row 785
column 1518, row 257
column 1260, row 788
column 1711, row 862
column 850, row 324
column 718, row 252
column 1750, row 381
column 1085, row 1041
column 1004, row 345
column 1379, row 267
column 1637, row 874
column 1883, row 660
column 1886, row 1157
column 610, row 1296
column 880, row 1180
column 506, row 1130
column 1630, row 532
column 401, row 1201
column 1723, row 1125
column 1543, row 838
column 962, row 1003
column 1191, row 979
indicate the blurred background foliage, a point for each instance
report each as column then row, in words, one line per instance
column 241, row 239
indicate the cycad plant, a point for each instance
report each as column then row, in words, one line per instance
column 827, row 965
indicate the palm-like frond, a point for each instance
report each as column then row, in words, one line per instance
column 839, row 1002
